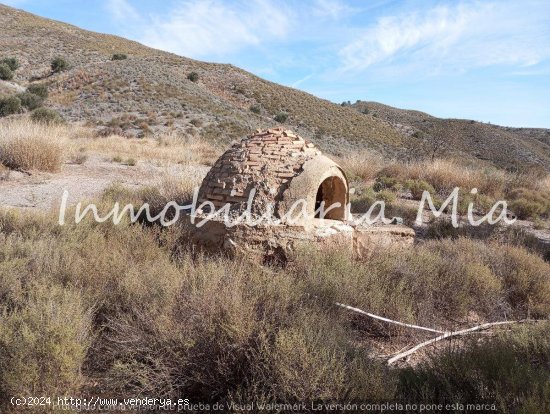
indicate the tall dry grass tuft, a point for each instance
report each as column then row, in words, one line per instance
column 171, row 147
column 363, row 165
column 26, row 145
column 444, row 175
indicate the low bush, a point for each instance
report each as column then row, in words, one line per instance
column 417, row 188
column 119, row 56
column 193, row 77
column 384, row 182
column 11, row 62
column 38, row 89
column 509, row 370
column 365, row 198
column 529, row 204
column 255, row 108
column 10, row 105
column 46, row 116
column 59, row 64
column 5, row 72
column 43, row 343
column 30, row 100
column 281, row 117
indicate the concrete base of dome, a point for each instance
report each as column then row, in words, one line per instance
column 278, row 243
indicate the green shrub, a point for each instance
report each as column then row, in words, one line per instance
column 12, row 63
column 384, row 182
column 10, row 105
column 166, row 321
column 59, row 64
column 386, row 196
column 267, row 346
column 509, row 370
column 361, row 201
column 255, row 108
column 529, row 204
column 30, row 100
column 38, row 89
column 193, row 77
column 417, row 188
column 119, row 56
column 46, row 115
column 281, row 117
column 43, row 343
column 5, row 72
column 480, row 202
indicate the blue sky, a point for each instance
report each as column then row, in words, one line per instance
column 482, row 60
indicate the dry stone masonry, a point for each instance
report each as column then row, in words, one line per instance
column 266, row 161
column 283, row 169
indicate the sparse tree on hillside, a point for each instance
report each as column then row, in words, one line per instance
column 436, row 146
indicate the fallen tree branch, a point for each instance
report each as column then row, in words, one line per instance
column 388, row 320
column 451, row 334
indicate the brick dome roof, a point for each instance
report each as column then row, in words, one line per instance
column 268, row 161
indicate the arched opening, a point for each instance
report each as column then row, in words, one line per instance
column 331, row 191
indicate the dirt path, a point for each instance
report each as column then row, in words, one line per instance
column 43, row 191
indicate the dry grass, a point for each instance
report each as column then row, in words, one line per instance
column 147, row 317
column 527, row 193
column 495, row 371
column 179, row 189
column 167, row 148
column 26, row 145
column 363, row 165
column 444, row 175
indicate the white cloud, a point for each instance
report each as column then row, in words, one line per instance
column 334, row 9
column 468, row 34
column 121, row 10
column 14, row 3
column 198, row 28
column 302, row 80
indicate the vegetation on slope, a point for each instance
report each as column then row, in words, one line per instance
column 515, row 149
column 129, row 311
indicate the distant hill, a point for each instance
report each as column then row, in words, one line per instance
column 511, row 148
column 150, row 92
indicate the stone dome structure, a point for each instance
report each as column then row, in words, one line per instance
column 282, row 168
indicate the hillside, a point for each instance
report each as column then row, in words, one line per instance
column 511, row 148
column 150, row 93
